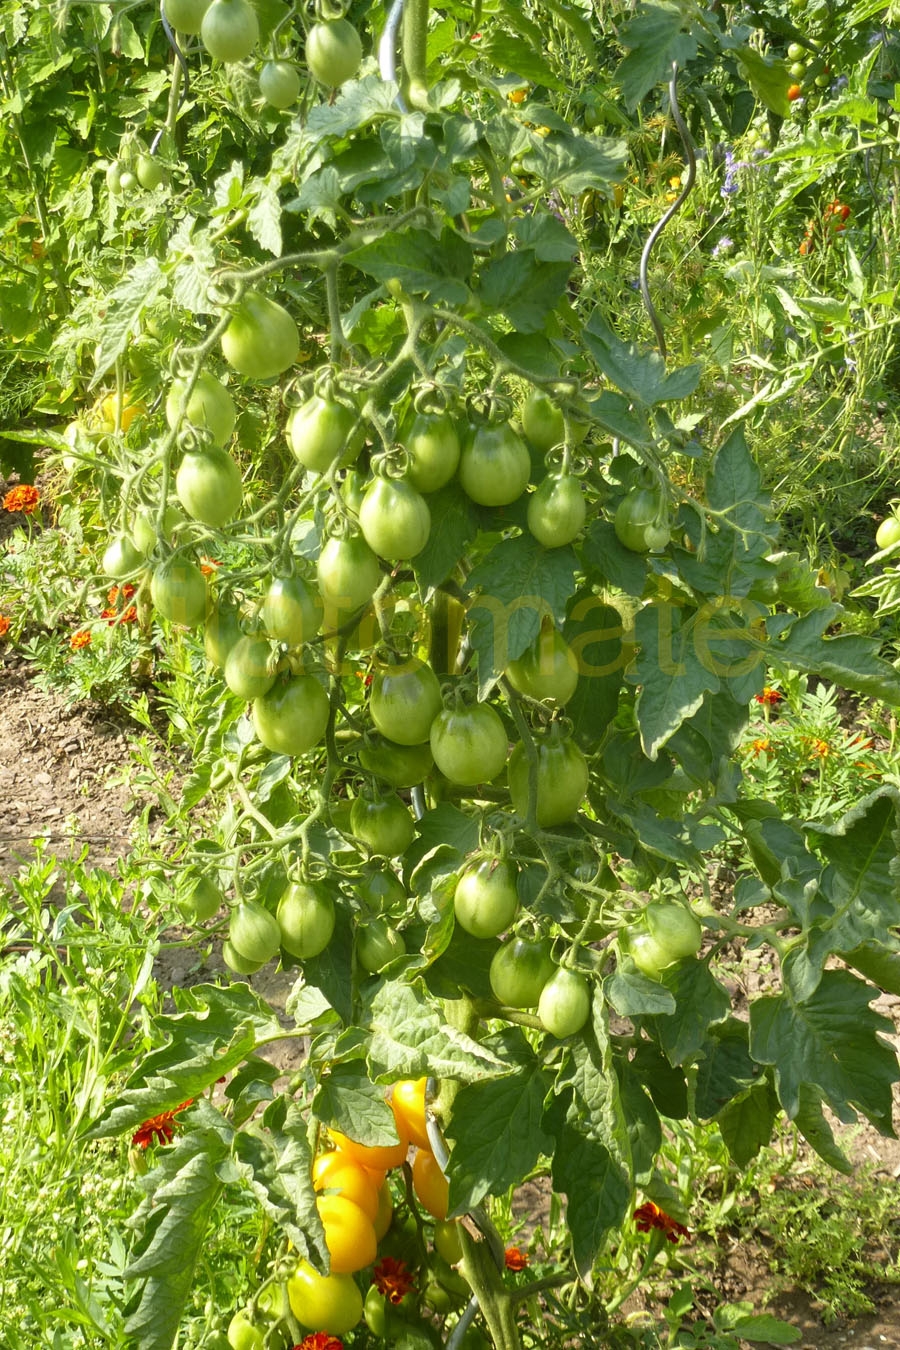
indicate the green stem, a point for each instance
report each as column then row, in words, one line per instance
column 415, row 52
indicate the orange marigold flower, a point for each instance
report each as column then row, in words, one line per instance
column 515, row 1259
column 392, row 1278
column 159, row 1129
column 126, row 592
column 769, row 696
column 320, row 1340
column 78, row 640
column 762, row 747
column 23, row 498
column 818, row 748
column 208, row 566
column 130, row 614
column 5, row 624
column 649, row 1216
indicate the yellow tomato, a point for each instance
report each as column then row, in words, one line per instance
column 336, row 1172
column 408, row 1106
column 373, row 1156
column 430, row 1184
column 349, row 1234
column 130, row 410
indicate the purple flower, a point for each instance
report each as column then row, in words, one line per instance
column 725, row 245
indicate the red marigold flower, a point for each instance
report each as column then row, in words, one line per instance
column 320, row 1340
column 78, row 640
column 5, row 624
column 769, row 696
column 392, row 1278
column 208, row 566
column 23, row 498
column 515, row 1259
column 649, row 1216
column 159, row 1129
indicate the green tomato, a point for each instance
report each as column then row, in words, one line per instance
column 519, row 970
column 305, row 916
column 640, row 521
column 543, row 421
column 650, row 957
column 121, row 558
column 143, row 527
column 178, row 590
column 381, row 890
column 291, row 717
column 565, row 1003
column 262, row 339
column 548, row 669
column 385, row 826
column 230, row 29
column 291, row 611
column 562, row 781
column 403, row 766
column 208, row 485
column 279, row 84
column 557, row 510
column 404, row 700
column 329, row 1303
column 469, row 744
column 253, row 932
column 238, row 963
column 888, row 532
column 486, row 899
column 319, row 433
column 333, row 52
column 447, row 1241
column 377, row 944
column 348, row 573
column 247, row 669
column 432, row 445
column 150, row 173
column 676, row 929
column 795, row 52
column 221, row 632
column 127, row 180
column 210, row 406
column 494, row 465
column 395, row 519
column 202, row 901
column 244, row 1334
column 186, row 16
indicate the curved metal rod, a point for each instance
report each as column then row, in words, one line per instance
column 676, row 205
column 387, row 49
column 185, row 71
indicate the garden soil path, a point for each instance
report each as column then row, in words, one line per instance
column 61, row 780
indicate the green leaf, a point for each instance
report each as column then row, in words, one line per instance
column 850, row 660
column 722, row 564
column 671, row 677
column 641, row 375
column 515, row 55
column 347, row 1099
column 517, row 584
column 830, row 1044
column 172, row 1222
column 635, row 995
column 496, row 1124
column 423, row 264
column 409, row 1039
column 811, row 1123
column 598, row 1192
column 769, row 80
column 331, row 970
column 264, row 216
column 276, row 1165
column 747, row 1122
column 124, row 306
column 655, row 40
column 453, row 527
column 523, row 289
column 220, row 1028
column 700, row 1001
column 611, row 562
column 594, row 631
column 862, row 879
column 642, row 1121
column 547, row 237
column 575, row 164
column 726, row 1069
